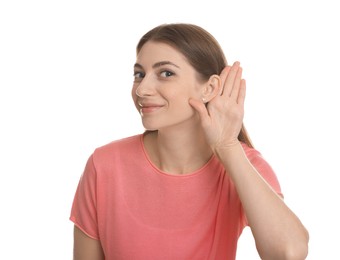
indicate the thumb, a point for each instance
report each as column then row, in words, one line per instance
column 200, row 109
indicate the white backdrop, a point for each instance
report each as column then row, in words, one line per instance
column 65, row 78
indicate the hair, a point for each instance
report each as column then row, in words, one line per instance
column 201, row 49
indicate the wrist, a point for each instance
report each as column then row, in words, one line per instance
column 231, row 154
column 218, row 149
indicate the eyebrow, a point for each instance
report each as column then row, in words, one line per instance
column 158, row 64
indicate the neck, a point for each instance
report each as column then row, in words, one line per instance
column 178, row 152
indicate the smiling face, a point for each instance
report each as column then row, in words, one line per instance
column 163, row 83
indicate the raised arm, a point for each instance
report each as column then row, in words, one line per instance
column 278, row 232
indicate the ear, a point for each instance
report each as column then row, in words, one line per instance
column 211, row 88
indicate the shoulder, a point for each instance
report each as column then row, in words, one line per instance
column 117, row 153
column 117, row 150
column 117, row 145
column 250, row 151
column 253, row 155
column 262, row 166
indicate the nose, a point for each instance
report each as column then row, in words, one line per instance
column 145, row 88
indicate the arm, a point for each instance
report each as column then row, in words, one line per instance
column 86, row 248
column 277, row 231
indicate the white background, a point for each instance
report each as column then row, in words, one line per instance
column 65, row 78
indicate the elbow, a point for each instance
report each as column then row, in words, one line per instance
column 298, row 252
column 295, row 250
column 293, row 253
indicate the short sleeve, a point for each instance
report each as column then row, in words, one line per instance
column 264, row 168
column 84, row 207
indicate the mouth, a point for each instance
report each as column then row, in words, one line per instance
column 147, row 108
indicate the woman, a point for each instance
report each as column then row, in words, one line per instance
column 187, row 187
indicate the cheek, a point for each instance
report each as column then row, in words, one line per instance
column 180, row 105
column 180, row 98
column 133, row 93
column 134, row 97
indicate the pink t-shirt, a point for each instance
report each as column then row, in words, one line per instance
column 140, row 212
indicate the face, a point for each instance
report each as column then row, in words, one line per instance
column 163, row 83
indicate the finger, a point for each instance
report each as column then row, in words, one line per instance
column 236, row 87
column 223, row 77
column 229, row 82
column 242, row 93
column 201, row 110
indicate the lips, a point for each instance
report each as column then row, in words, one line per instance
column 146, row 107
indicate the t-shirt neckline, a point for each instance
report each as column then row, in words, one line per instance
column 199, row 171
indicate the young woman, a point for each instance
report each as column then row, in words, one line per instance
column 188, row 185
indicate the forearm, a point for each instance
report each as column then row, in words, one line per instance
column 278, row 232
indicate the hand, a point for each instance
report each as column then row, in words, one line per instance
column 222, row 118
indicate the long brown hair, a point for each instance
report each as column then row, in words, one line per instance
column 201, row 49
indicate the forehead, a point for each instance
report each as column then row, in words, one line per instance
column 153, row 52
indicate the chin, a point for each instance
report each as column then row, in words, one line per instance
column 149, row 127
column 152, row 123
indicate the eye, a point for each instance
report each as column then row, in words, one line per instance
column 166, row 74
column 138, row 75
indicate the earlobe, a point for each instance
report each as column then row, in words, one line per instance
column 212, row 88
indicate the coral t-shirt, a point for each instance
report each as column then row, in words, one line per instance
column 139, row 212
